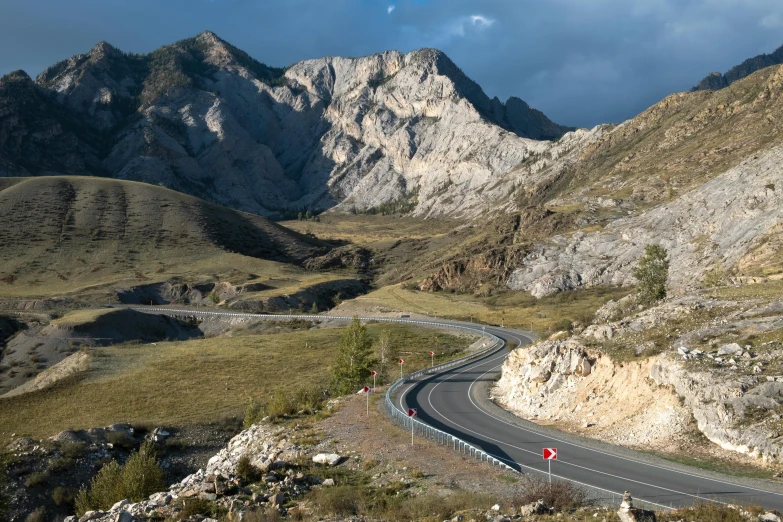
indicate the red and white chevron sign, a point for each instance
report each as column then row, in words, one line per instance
column 550, row 453
column 412, row 412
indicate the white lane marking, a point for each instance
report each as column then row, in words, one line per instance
column 717, row 481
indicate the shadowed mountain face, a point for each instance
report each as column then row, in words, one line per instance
column 202, row 117
column 716, row 80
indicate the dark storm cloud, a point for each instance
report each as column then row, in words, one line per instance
column 582, row 62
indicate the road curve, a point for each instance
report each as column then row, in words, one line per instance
column 447, row 401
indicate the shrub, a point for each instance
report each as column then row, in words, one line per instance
column 651, row 274
column 560, row 495
column 709, row 512
column 63, row 496
column 36, row 479
column 61, row 464
column 39, row 515
column 121, row 439
column 280, row 405
column 246, row 470
column 309, row 398
column 137, row 479
column 253, row 413
column 72, row 449
column 195, row 506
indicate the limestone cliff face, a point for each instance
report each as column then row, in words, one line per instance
column 202, row 117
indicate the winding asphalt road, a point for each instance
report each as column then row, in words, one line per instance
column 448, row 402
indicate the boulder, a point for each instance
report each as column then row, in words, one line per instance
column 328, row 482
column 278, row 499
column 329, row 459
column 119, row 505
column 730, row 349
column 534, row 508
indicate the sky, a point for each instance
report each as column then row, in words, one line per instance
column 581, row 62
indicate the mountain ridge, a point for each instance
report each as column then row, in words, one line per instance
column 716, row 80
column 203, row 117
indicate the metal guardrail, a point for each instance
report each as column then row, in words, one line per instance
column 598, row 495
column 402, row 419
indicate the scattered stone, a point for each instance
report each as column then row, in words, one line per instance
column 329, row 459
column 534, row 508
column 328, row 482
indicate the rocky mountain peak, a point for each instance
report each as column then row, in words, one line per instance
column 103, row 49
column 203, row 117
column 16, row 76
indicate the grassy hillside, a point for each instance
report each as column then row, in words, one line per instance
column 678, row 143
column 62, row 235
column 199, row 381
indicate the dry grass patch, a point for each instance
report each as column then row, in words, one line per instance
column 197, row 381
column 513, row 309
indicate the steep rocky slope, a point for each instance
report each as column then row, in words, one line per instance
column 202, row 117
column 698, row 173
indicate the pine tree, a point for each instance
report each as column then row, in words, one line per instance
column 651, row 274
column 354, row 359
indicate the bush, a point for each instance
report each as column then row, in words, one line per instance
column 651, row 274
column 246, row 470
column 195, row 506
column 63, row 496
column 39, row 515
column 254, row 412
column 137, row 479
column 280, row 405
column 60, row 465
column 73, row 450
column 708, row 512
column 36, row 479
column 560, row 495
column 121, row 439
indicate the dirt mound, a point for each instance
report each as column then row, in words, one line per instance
column 40, row 346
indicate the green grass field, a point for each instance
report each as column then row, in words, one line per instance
column 197, row 381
